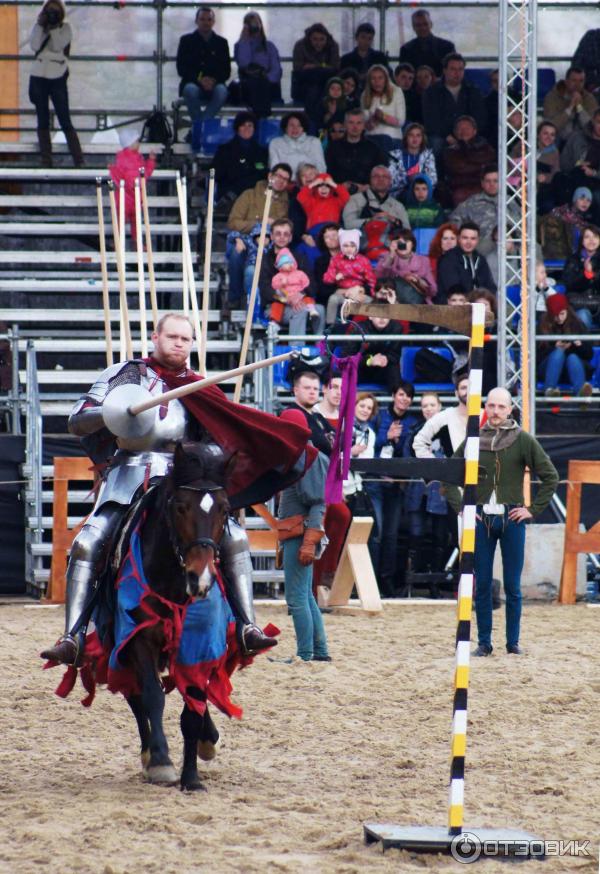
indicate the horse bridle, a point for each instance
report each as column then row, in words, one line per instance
column 206, row 542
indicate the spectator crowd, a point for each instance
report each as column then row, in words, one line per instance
column 383, row 186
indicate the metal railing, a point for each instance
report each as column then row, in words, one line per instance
column 33, row 463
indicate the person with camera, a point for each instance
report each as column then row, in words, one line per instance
column 411, row 273
column 258, row 65
column 51, row 41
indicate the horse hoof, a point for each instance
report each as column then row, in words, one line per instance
column 193, row 785
column 161, row 775
column 207, row 750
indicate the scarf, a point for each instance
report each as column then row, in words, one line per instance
column 496, row 439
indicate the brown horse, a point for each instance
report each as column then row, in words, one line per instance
column 179, row 547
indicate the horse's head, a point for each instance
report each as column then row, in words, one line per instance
column 197, row 509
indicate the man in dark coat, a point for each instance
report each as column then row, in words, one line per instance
column 447, row 100
column 364, row 55
column 464, row 266
column 426, row 49
column 204, row 67
column 351, row 159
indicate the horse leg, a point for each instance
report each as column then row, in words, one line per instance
column 160, row 767
column 200, row 737
column 191, row 727
column 209, row 739
column 137, row 708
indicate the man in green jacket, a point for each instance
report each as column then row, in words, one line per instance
column 505, row 453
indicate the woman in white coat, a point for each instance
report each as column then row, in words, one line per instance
column 51, row 41
column 295, row 146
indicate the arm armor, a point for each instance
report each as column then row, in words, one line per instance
column 86, row 416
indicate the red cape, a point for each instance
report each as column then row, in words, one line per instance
column 272, row 453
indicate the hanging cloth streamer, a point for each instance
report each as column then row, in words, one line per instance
column 341, row 453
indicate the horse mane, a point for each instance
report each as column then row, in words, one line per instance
column 199, row 462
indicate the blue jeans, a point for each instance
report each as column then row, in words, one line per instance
column 311, row 639
column 552, row 367
column 512, row 545
column 194, row 96
column 392, row 508
column 297, row 321
column 41, row 91
column 375, row 492
column 584, row 315
column 236, row 263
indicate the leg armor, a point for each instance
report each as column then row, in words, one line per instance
column 89, row 555
column 237, row 574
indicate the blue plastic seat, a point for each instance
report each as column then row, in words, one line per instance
column 408, row 370
column 546, row 79
column 481, row 77
column 268, row 129
column 424, row 236
column 280, row 370
column 554, row 263
column 595, row 364
column 215, row 132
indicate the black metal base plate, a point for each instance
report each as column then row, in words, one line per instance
column 470, row 845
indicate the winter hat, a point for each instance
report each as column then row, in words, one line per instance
column 352, row 236
column 582, row 191
column 555, row 303
column 128, row 136
column 283, row 258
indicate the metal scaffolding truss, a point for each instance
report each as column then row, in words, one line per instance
column 517, row 202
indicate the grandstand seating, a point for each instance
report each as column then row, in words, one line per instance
column 408, row 370
column 480, row 76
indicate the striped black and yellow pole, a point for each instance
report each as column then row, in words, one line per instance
column 465, row 588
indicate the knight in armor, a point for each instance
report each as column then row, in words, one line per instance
column 130, row 465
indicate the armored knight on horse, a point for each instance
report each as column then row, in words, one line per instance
column 269, row 456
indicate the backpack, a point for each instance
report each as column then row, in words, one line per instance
column 157, row 129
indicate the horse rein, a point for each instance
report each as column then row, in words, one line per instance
column 206, row 542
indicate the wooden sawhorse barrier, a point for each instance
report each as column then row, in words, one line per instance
column 354, row 569
column 65, row 469
column 576, row 541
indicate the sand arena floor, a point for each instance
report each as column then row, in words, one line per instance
column 321, row 748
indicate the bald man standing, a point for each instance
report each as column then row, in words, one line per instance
column 505, row 452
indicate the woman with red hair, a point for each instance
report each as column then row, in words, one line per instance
column 446, row 238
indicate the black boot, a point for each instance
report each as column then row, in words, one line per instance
column 75, row 148
column 45, row 147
